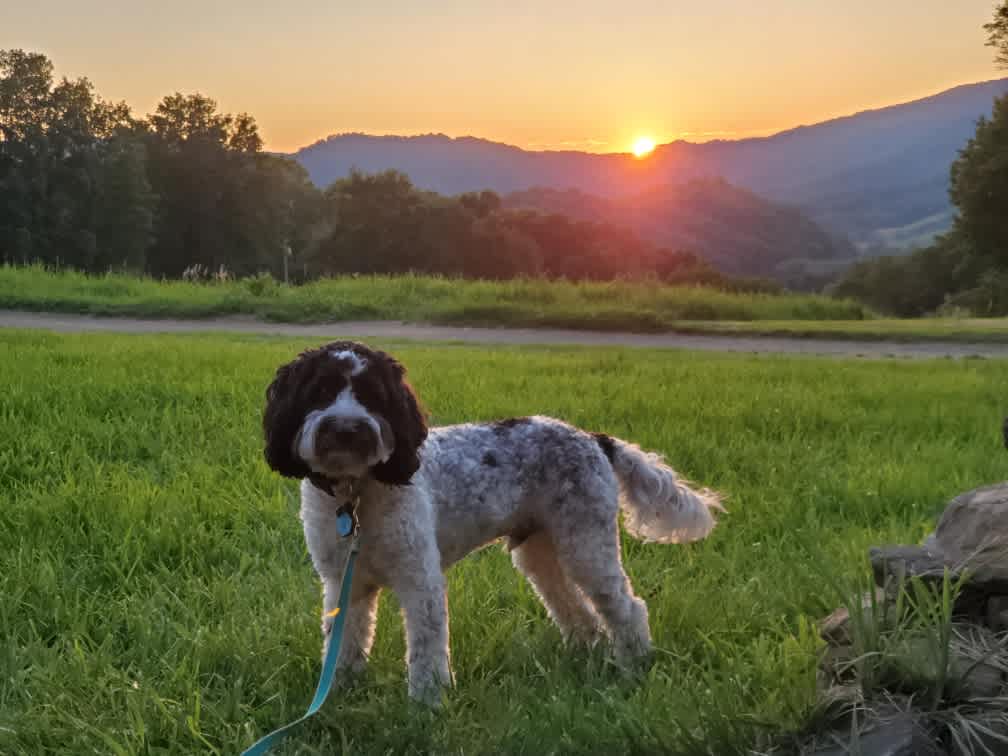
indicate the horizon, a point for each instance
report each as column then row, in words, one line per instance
column 628, row 149
column 537, row 80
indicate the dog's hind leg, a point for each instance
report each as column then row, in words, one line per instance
column 536, row 559
column 590, row 555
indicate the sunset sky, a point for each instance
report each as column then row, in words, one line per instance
column 591, row 75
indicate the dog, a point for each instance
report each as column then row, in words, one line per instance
column 344, row 420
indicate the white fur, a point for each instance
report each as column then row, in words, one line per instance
column 658, row 505
column 357, row 363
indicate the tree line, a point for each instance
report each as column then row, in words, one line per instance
column 84, row 183
column 966, row 269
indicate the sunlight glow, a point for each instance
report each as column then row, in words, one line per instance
column 643, row 146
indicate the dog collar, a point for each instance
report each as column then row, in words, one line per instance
column 346, row 515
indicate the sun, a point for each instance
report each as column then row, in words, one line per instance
column 643, row 146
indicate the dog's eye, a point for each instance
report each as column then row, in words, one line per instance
column 370, row 392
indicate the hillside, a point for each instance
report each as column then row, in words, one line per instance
column 879, row 175
column 736, row 230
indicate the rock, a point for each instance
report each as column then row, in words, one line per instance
column 972, row 536
column 973, row 532
column 976, row 679
column 900, row 735
column 838, row 708
column 997, row 613
column 837, row 705
column 977, row 661
column 835, row 629
column 900, row 563
column 835, row 666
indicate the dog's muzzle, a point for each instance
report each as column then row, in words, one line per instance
column 345, row 435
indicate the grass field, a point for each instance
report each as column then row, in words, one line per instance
column 523, row 302
column 961, row 330
column 613, row 306
column 156, row 597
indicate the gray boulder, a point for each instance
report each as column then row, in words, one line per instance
column 972, row 536
column 973, row 532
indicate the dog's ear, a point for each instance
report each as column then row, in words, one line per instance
column 282, row 420
column 409, row 426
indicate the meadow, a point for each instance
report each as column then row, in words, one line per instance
column 643, row 307
column 156, row 595
column 612, row 305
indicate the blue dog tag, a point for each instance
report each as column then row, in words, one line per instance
column 345, row 523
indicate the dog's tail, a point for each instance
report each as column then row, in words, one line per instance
column 657, row 504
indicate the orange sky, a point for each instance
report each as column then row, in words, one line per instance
column 588, row 75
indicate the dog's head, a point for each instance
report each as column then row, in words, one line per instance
column 343, row 410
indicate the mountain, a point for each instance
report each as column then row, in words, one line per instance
column 880, row 176
column 736, row 230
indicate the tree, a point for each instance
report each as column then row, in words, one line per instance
column 243, row 136
column 979, row 186
column 25, row 82
column 997, row 34
column 125, row 207
column 219, row 200
column 375, row 221
column 481, row 203
column 180, row 118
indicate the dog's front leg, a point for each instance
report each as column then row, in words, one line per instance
column 358, row 626
column 425, row 609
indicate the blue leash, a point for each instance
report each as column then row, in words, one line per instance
column 347, row 524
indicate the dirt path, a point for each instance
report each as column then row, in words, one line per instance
column 388, row 330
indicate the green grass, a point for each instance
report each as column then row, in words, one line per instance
column 639, row 306
column 156, row 596
column 646, row 307
column 978, row 330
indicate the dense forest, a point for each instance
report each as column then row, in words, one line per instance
column 84, row 183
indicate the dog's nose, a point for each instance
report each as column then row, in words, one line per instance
column 341, row 433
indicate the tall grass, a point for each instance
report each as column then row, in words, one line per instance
column 156, row 596
column 616, row 305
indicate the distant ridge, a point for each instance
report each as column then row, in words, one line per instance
column 867, row 175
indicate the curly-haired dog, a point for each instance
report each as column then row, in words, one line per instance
column 344, row 420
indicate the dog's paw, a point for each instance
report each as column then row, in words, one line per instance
column 429, row 696
column 584, row 637
column 428, row 690
column 347, row 677
column 633, row 662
